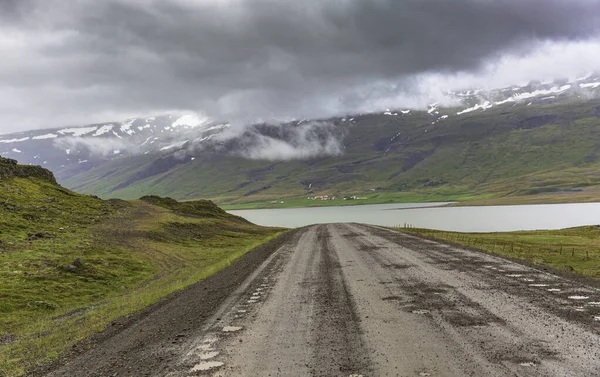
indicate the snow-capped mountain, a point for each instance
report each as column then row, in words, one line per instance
column 68, row 151
column 81, row 148
column 533, row 93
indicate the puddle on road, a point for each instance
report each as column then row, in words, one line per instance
column 205, row 347
column 538, row 285
column 597, row 319
column 578, row 297
column 242, row 311
column 208, row 355
column 527, row 364
column 594, row 303
column 554, row 290
column 514, row 275
column 207, row 344
column 207, row 365
column 420, row 311
column 231, row 328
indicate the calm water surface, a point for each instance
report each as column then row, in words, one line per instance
column 463, row 219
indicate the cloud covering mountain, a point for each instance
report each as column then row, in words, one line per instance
column 243, row 61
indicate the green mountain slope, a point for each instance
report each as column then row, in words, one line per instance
column 72, row 263
column 513, row 150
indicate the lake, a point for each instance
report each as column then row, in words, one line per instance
column 431, row 215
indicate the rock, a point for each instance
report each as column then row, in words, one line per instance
column 43, row 305
column 37, row 236
column 71, row 268
column 78, row 263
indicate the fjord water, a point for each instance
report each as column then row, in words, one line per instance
column 435, row 216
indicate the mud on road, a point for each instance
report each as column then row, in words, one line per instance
column 357, row 300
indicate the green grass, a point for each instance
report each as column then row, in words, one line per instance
column 132, row 254
column 574, row 249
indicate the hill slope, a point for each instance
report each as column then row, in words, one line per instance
column 71, row 263
column 512, row 150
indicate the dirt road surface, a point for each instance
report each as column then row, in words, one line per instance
column 357, row 300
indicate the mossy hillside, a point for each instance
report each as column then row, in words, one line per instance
column 71, row 263
column 201, row 208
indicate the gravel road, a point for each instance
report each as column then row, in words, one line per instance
column 357, row 300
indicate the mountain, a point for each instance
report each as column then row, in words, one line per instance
column 539, row 138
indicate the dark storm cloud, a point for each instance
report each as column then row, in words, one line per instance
column 68, row 61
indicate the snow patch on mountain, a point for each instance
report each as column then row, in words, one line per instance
column 174, row 145
column 484, row 106
column 591, row 85
column 218, row 127
column 542, row 92
column 126, row 127
column 191, row 120
column 9, row 141
column 78, row 131
column 46, row 136
column 104, row 130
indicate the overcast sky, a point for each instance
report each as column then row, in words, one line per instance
column 65, row 62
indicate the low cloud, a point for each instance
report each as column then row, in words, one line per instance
column 95, row 146
column 76, row 62
column 282, row 142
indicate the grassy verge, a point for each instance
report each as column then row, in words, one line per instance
column 574, row 249
column 71, row 264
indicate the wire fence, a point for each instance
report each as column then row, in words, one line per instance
column 519, row 249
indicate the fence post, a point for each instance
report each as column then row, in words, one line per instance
column 560, row 250
column 573, row 252
column 512, row 247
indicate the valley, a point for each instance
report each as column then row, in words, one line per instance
column 287, row 188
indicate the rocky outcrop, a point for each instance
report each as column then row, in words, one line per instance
column 10, row 168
